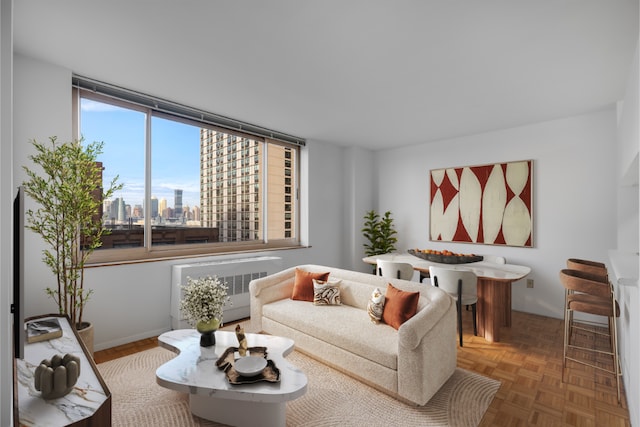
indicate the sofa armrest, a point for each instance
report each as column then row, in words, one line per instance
column 256, row 286
column 427, row 350
column 267, row 289
column 414, row 330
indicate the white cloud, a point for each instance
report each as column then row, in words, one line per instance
column 97, row 107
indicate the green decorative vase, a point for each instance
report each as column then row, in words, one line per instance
column 207, row 332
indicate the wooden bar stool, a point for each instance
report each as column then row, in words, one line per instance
column 589, row 293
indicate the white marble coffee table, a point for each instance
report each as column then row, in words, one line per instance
column 212, row 397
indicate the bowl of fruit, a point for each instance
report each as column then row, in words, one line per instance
column 445, row 256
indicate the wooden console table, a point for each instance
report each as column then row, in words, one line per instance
column 87, row 405
column 494, row 288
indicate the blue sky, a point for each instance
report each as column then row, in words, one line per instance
column 175, row 152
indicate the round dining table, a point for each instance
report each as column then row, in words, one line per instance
column 494, row 288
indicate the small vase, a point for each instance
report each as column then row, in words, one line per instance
column 207, row 332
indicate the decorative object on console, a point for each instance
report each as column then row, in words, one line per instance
column 69, row 195
column 491, row 204
column 42, row 330
column 445, row 257
column 399, row 306
column 375, row 305
column 303, row 284
column 56, row 377
column 326, row 292
column 202, row 303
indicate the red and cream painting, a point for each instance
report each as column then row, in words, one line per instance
column 490, row 204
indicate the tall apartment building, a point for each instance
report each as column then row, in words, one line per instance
column 154, row 207
column 231, row 179
column 162, row 207
column 177, row 203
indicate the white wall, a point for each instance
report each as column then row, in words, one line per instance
column 132, row 301
column 573, row 201
column 629, row 236
column 358, row 197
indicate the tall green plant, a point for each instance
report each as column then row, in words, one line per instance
column 380, row 233
column 69, row 194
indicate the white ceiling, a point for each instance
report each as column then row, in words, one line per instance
column 368, row 73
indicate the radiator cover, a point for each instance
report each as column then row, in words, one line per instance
column 236, row 273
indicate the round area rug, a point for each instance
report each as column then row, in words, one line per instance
column 332, row 398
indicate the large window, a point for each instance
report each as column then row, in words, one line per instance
column 190, row 187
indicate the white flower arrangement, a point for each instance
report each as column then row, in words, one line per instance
column 203, row 299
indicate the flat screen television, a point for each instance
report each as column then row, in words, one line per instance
column 17, row 306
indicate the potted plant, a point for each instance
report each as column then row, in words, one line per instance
column 67, row 186
column 380, row 233
column 202, row 305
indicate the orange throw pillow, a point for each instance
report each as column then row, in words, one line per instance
column 399, row 306
column 303, row 284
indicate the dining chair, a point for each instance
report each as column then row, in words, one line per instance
column 494, row 259
column 462, row 285
column 591, row 294
column 395, row 270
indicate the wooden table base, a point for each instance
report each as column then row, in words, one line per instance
column 493, row 308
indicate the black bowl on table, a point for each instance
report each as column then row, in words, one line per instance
column 446, row 259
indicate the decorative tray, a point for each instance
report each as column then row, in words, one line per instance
column 226, row 363
column 446, row 258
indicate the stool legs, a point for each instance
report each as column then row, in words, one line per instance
column 570, row 325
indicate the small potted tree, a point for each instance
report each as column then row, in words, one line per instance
column 67, row 186
column 380, row 233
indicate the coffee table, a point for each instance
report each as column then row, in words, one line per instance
column 212, row 397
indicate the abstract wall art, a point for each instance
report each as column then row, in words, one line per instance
column 488, row 204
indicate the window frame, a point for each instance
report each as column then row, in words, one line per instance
column 149, row 252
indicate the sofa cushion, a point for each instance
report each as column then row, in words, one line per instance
column 326, row 293
column 341, row 325
column 303, row 284
column 399, row 306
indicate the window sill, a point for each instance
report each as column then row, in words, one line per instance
column 109, row 257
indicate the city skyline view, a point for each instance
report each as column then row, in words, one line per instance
column 212, row 180
column 123, row 133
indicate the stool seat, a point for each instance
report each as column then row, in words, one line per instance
column 592, row 304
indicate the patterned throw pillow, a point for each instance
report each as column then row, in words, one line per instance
column 326, row 292
column 376, row 305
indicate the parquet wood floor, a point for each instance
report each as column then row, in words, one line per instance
column 528, row 362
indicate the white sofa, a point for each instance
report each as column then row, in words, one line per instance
column 410, row 363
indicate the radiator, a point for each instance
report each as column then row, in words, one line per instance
column 237, row 273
